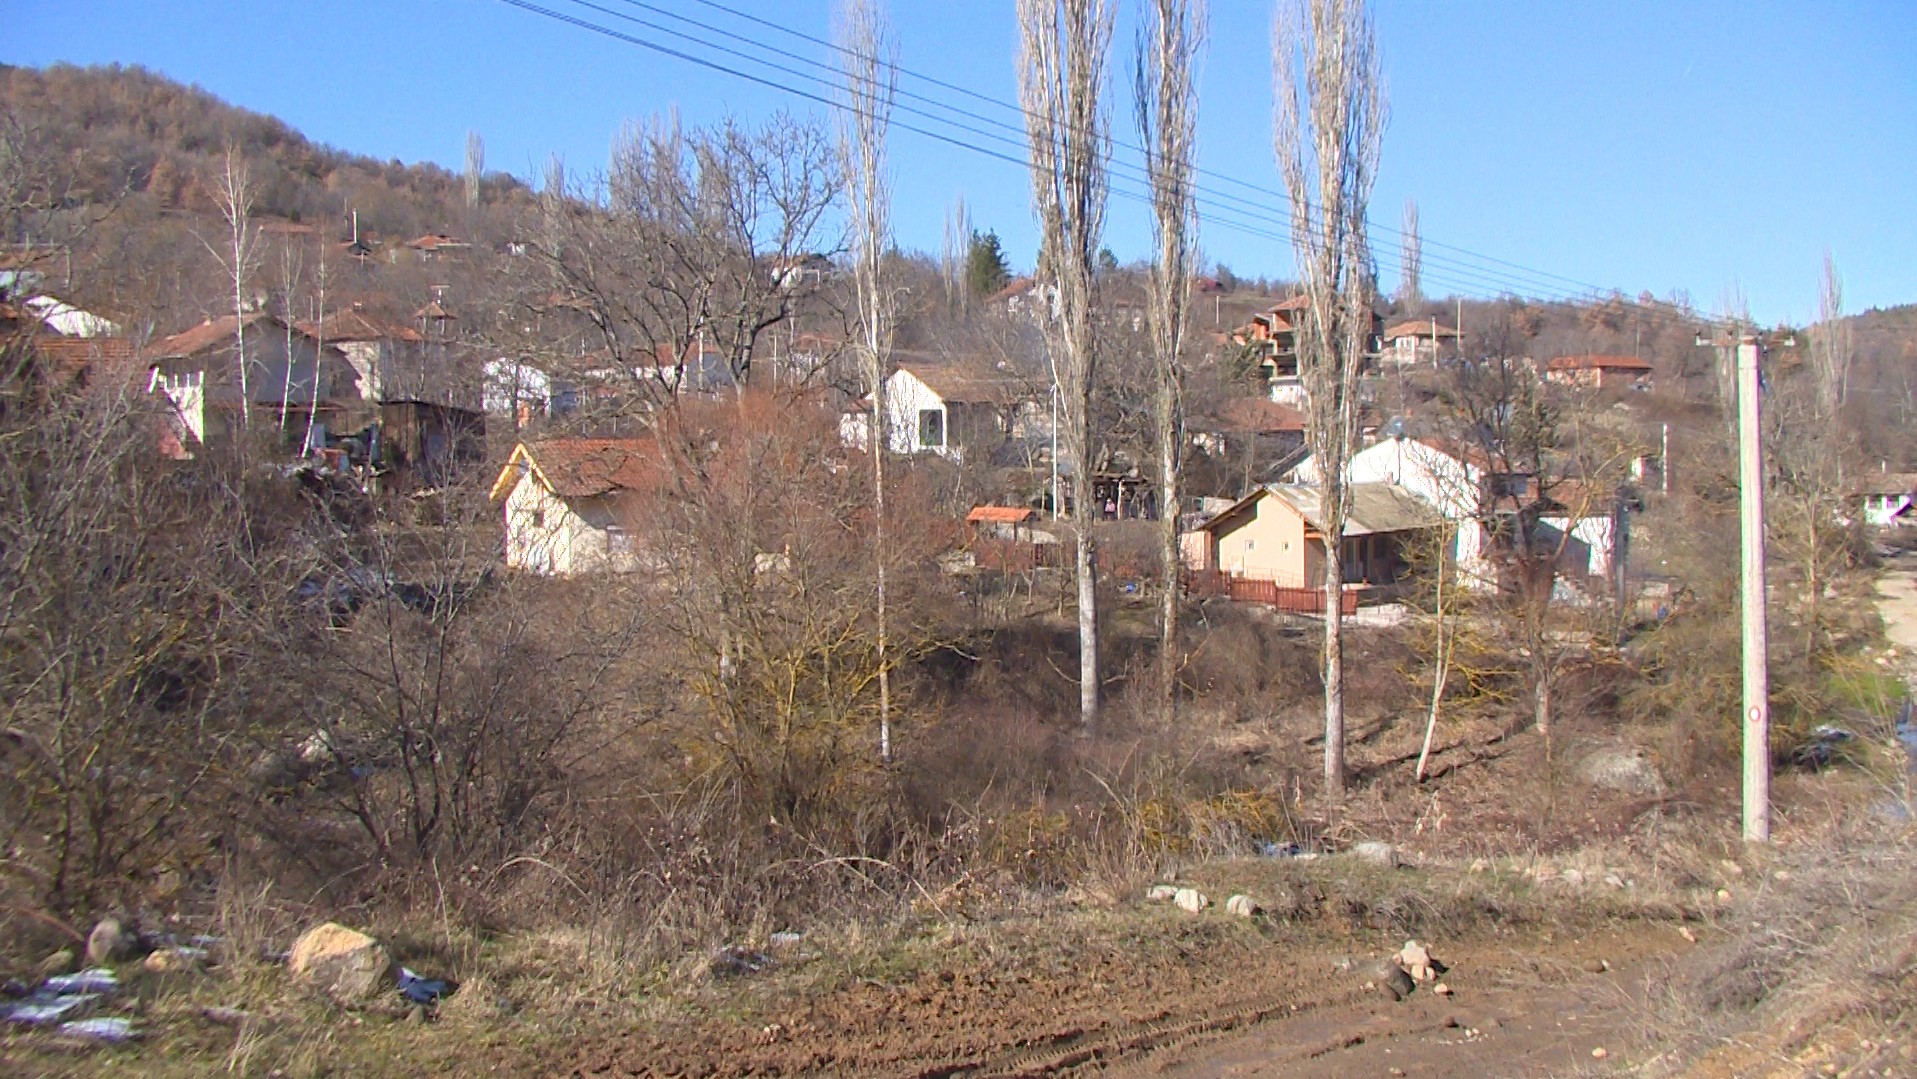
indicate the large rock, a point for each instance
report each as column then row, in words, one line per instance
column 1624, row 769
column 1243, row 906
column 346, row 964
column 1376, row 853
column 1191, row 900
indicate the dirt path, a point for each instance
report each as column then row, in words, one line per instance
column 1897, row 604
column 1233, row 1006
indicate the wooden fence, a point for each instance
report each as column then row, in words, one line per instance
column 1270, row 593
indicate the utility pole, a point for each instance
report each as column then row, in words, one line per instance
column 1757, row 708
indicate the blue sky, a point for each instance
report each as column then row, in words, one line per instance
column 1696, row 145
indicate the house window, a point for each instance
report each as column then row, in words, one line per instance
column 931, row 428
column 536, row 518
column 618, row 541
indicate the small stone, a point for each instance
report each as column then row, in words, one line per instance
column 174, row 961
column 1596, row 966
column 1414, row 954
column 1396, row 1073
column 1723, row 895
column 1243, row 906
column 1781, row 875
column 1599, row 1053
column 1479, row 865
column 1614, row 880
column 1162, row 892
column 1191, row 900
column 1685, row 932
column 1730, row 868
column 60, row 962
column 1829, row 1068
column 109, row 943
column 1573, row 877
column 1441, row 989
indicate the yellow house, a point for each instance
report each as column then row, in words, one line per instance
column 571, row 503
column 1274, row 534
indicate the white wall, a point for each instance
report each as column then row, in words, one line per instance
column 905, row 398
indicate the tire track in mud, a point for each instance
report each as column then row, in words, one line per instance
column 1041, row 1028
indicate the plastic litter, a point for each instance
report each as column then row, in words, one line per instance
column 37, row 1012
column 91, row 980
column 109, row 1029
column 421, row 990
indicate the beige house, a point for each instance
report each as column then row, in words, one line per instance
column 1274, row 534
column 1600, row 372
column 571, row 504
column 197, row 373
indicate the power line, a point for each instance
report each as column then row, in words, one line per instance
column 1450, row 273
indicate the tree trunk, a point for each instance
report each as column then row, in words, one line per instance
column 1087, row 565
column 1442, row 674
column 1169, row 430
column 878, row 556
column 1334, row 671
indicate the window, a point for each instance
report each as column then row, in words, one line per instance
column 931, row 428
column 536, row 518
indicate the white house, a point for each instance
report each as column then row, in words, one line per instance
column 195, row 370
column 941, row 408
column 571, row 504
column 1887, row 499
column 1458, row 481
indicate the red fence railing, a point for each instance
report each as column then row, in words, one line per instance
column 1289, row 599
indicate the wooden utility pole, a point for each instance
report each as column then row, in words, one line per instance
column 1757, row 708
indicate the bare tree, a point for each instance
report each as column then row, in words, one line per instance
column 697, row 245
column 1410, row 278
column 291, row 265
column 1063, row 49
column 475, row 167
column 1833, row 349
column 1167, row 97
column 233, row 189
column 1328, row 134
column 870, row 81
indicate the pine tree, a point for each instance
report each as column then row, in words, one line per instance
column 985, row 268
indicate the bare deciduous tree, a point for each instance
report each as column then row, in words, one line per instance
column 870, row 82
column 1167, row 96
column 1411, row 274
column 475, row 167
column 1063, row 48
column 1328, row 133
column 233, row 190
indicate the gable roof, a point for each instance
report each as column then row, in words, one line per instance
column 357, row 324
column 1420, row 327
column 1255, row 415
column 215, row 331
column 1010, row 515
column 966, row 385
column 1374, row 508
column 74, row 356
column 583, row 467
column 1599, row 363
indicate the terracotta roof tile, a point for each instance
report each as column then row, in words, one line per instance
column 1599, row 363
column 585, row 467
column 1010, row 515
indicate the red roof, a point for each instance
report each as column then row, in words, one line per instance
column 357, row 324
column 433, row 241
column 1419, row 327
column 1008, row 515
column 1258, row 415
column 216, row 331
column 73, row 355
column 1599, row 363
column 585, row 467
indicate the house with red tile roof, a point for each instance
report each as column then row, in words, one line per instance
column 1600, row 372
column 571, row 504
column 289, row 378
column 1419, row 340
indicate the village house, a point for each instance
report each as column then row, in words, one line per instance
column 420, row 408
column 1460, row 482
column 1270, row 340
column 1027, row 297
column 1276, row 534
column 571, row 504
column 1886, row 499
column 1420, row 341
column 948, row 409
column 290, row 378
column 1262, row 428
column 1600, row 372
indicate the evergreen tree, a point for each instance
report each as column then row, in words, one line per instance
column 985, row 268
